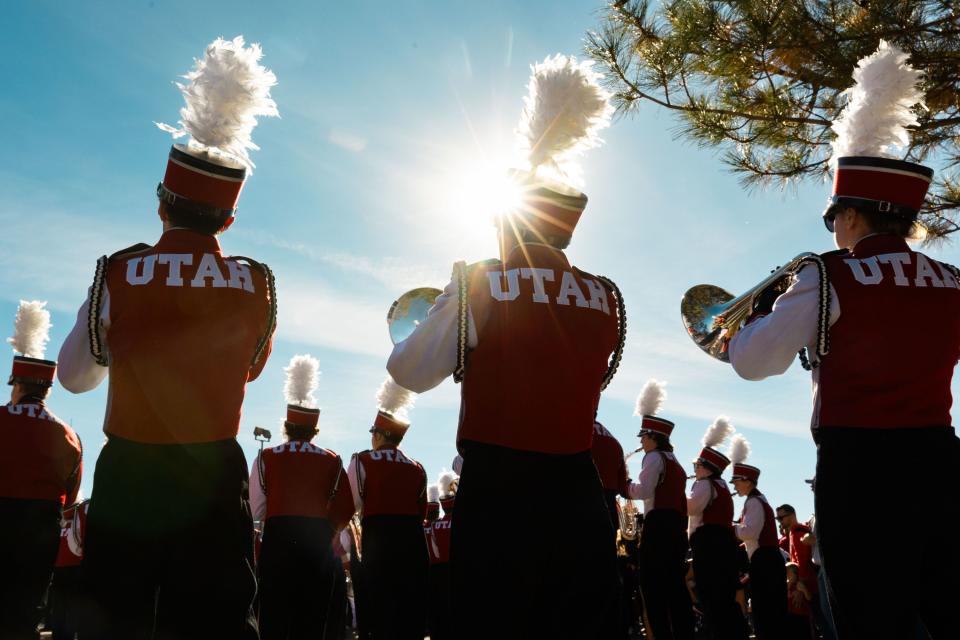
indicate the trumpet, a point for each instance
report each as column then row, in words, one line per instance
column 712, row 316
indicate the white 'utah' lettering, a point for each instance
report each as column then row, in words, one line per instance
column 868, row 271
column 140, row 271
column 569, row 288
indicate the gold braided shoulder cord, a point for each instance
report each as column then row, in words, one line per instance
column 271, row 318
column 617, row 355
column 96, row 306
column 823, row 313
column 460, row 275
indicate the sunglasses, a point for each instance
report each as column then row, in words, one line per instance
column 830, row 216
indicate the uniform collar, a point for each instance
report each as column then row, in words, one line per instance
column 29, row 400
column 528, row 252
column 877, row 243
column 181, row 239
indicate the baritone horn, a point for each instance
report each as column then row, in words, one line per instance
column 712, row 316
column 628, row 510
column 408, row 311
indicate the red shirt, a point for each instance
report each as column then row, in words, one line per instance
column 40, row 458
column 803, row 555
column 393, row 484
column 545, row 335
column 894, row 347
column 608, row 458
column 184, row 324
column 303, row 479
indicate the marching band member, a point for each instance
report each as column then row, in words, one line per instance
column 531, row 338
column 40, row 470
column 390, row 493
column 712, row 542
column 663, row 544
column 181, row 329
column 66, row 590
column 298, row 490
column 612, row 466
column 882, row 324
column 433, row 553
column 441, row 585
column 758, row 530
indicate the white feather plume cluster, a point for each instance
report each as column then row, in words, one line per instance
column 433, row 493
column 739, row 449
column 651, row 398
column 720, row 430
column 226, row 91
column 31, row 329
column 446, row 479
column 394, row 399
column 302, row 380
column 563, row 112
column 879, row 105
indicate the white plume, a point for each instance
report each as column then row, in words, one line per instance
column 651, row 398
column 302, row 380
column 31, row 329
column 739, row 449
column 716, row 433
column 433, row 493
column 562, row 113
column 879, row 105
column 444, row 481
column 227, row 90
column 394, row 399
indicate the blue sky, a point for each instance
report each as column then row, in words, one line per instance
column 368, row 184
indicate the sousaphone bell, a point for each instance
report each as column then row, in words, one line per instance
column 409, row 310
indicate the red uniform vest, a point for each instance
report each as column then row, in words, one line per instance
column 40, row 457
column 74, row 525
column 720, row 509
column 393, row 484
column 894, row 347
column 608, row 458
column 432, row 551
column 185, row 323
column 671, row 493
column 303, row 479
column 768, row 534
column 546, row 332
column 441, row 536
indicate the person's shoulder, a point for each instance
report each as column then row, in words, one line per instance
column 131, row 251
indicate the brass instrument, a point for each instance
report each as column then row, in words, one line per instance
column 712, row 316
column 408, row 311
column 628, row 510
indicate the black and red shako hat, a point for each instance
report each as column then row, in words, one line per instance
column 878, row 184
column 302, row 416
column 709, row 455
column 654, row 424
column 208, row 182
column 32, row 370
column 745, row 472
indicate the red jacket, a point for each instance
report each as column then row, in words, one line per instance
column 184, row 325
column 608, row 458
column 302, row 479
column 40, row 459
column 545, row 334
column 896, row 342
column 73, row 526
column 392, row 483
column 441, row 537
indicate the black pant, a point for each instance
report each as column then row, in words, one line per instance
column 336, row 625
column 768, row 592
column 905, row 565
column 440, row 608
column 169, row 543
column 663, row 570
column 296, row 575
column 715, row 570
column 541, row 564
column 394, row 577
column 67, row 603
column 29, row 539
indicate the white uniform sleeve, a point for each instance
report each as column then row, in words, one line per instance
column 76, row 369
column 429, row 355
column 769, row 345
column 752, row 523
column 258, row 499
column 650, row 471
column 699, row 497
column 356, row 475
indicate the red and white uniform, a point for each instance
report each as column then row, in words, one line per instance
column 384, row 481
column 301, row 479
column 709, row 502
column 441, row 540
column 662, row 483
column 757, row 527
column 41, row 458
column 921, row 297
column 73, row 526
column 524, row 318
column 179, row 306
column 608, row 457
